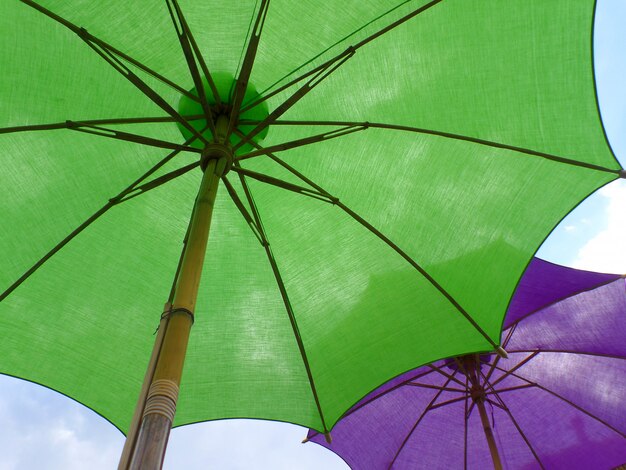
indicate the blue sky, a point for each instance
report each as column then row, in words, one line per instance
column 41, row 429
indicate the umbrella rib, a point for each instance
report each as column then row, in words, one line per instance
column 160, row 181
column 421, row 270
column 346, row 53
column 435, row 387
column 395, row 387
column 513, row 369
column 518, row 427
column 246, row 69
column 331, row 46
column 128, row 137
column 509, row 335
column 449, row 135
column 445, row 374
column 319, row 77
column 315, row 72
column 146, row 90
column 60, row 245
column 283, row 184
column 360, row 405
column 468, row 378
column 95, row 216
column 304, row 141
column 566, row 351
column 76, row 29
column 104, row 51
column 65, row 125
column 392, row 245
column 493, row 403
column 242, row 209
column 275, row 181
column 112, row 202
column 507, row 338
column 578, row 407
column 419, row 420
column 183, row 33
column 470, row 409
column 510, row 389
column 446, row 403
column 203, row 66
column 198, row 54
column 284, row 296
column 329, row 198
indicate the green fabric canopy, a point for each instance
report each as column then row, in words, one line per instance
column 476, row 129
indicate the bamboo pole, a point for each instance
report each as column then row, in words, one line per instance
column 480, row 404
column 160, row 404
column 149, row 433
column 143, row 395
column 470, row 365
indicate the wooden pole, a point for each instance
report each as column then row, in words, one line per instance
column 477, row 391
column 470, row 365
column 147, row 441
column 495, row 456
column 131, row 438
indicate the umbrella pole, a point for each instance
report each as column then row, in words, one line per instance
column 470, row 365
column 480, row 404
column 147, row 441
column 131, row 438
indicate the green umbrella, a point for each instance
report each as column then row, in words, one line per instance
column 437, row 140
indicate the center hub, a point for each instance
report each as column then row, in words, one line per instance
column 225, row 84
column 220, row 149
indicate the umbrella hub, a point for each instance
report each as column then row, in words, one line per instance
column 219, row 149
column 224, row 85
column 477, row 392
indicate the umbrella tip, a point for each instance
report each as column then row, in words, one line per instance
column 502, row 353
column 622, row 173
column 305, row 440
column 328, row 437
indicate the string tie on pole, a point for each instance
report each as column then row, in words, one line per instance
column 173, row 311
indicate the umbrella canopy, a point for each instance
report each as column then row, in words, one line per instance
column 441, row 140
column 556, row 402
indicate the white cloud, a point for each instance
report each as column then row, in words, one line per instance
column 259, row 445
column 606, row 251
column 43, row 429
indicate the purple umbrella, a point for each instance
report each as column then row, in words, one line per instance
column 557, row 402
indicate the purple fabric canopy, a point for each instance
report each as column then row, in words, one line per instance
column 544, row 283
column 557, row 402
